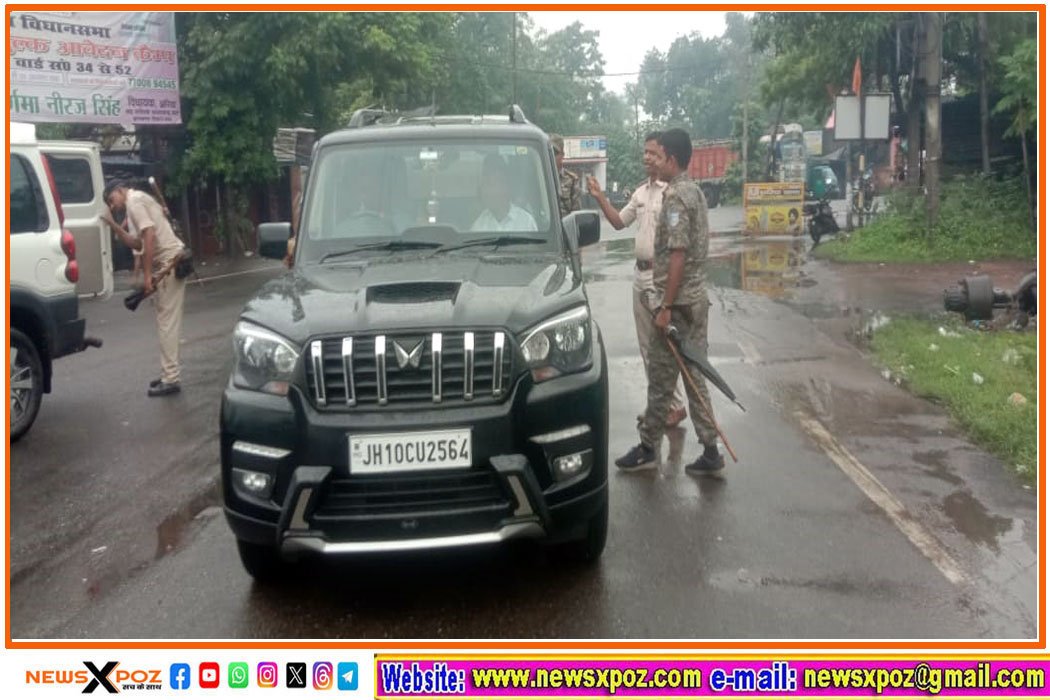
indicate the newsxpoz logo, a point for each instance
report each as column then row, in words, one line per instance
column 110, row 677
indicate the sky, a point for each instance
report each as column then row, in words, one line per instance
column 625, row 37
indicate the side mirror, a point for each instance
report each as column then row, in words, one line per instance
column 273, row 239
column 589, row 226
column 585, row 225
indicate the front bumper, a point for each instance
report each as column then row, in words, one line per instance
column 511, row 491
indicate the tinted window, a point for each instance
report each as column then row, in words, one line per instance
column 73, row 179
column 27, row 209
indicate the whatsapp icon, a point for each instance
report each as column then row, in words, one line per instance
column 239, row 675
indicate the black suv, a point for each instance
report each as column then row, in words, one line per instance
column 428, row 373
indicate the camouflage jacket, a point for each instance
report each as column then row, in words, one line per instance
column 682, row 225
column 568, row 192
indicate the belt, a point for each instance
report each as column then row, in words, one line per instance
column 644, row 265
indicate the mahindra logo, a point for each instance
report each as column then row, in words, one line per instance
column 412, row 358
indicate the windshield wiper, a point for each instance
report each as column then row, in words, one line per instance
column 492, row 240
column 387, row 245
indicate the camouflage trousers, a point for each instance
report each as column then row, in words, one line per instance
column 691, row 322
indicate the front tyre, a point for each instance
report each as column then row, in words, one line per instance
column 262, row 562
column 27, row 383
column 589, row 548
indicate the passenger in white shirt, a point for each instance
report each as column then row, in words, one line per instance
column 500, row 213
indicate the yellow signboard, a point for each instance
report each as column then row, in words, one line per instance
column 773, row 207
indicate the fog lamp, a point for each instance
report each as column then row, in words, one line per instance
column 257, row 484
column 569, row 466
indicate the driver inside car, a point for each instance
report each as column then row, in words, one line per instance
column 500, row 213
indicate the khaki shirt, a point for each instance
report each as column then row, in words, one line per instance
column 144, row 212
column 568, row 192
column 682, row 226
column 644, row 207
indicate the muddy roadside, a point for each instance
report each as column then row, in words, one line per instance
column 803, row 325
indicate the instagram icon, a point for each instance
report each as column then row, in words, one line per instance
column 322, row 675
column 267, row 674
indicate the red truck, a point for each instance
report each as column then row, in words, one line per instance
column 708, row 167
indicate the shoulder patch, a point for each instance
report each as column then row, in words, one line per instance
column 672, row 218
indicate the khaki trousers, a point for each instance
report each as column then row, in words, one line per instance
column 644, row 325
column 167, row 301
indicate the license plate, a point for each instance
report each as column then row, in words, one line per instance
column 397, row 452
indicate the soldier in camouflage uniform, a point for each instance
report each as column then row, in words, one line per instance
column 569, row 185
column 680, row 253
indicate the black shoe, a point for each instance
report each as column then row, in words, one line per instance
column 639, row 457
column 155, row 383
column 164, row 389
column 709, row 463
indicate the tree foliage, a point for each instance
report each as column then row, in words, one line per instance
column 245, row 74
column 1020, row 88
column 697, row 82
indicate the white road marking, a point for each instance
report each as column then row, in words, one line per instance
column 881, row 496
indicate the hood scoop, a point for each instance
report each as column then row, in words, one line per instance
column 413, row 293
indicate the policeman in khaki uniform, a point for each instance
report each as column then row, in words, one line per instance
column 569, row 185
column 150, row 232
column 680, row 253
column 643, row 207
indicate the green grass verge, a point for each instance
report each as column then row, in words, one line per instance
column 945, row 375
column 981, row 219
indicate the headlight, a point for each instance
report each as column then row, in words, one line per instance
column 561, row 345
column 264, row 360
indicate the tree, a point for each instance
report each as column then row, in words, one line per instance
column 688, row 85
column 245, row 74
column 1021, row 92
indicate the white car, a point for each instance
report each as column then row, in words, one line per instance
column 57, row 252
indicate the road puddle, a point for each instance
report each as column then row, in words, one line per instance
column 172, row 530
column 767, row 265
column 770, row 266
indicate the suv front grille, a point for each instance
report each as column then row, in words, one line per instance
column 413, row 495
column 406, row 368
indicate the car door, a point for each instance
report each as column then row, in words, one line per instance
column 77, row 169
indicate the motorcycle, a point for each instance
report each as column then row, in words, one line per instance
column 821, row 219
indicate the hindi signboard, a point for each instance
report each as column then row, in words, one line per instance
column 773, row 207
column 94, row 67
column 585, row 147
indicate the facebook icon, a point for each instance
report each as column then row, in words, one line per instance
column 180, row 676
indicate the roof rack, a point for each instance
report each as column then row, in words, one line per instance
column 366, row 116
column 370, row 116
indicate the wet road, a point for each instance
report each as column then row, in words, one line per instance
column 856, row 510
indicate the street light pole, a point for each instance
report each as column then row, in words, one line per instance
column 514, row 58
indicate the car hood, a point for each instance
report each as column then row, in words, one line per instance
column 391, row 294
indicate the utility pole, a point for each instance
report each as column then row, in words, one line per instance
column 747, row 99
column 514, row 58
column 932, row 58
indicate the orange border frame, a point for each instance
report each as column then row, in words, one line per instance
column 1039, row 643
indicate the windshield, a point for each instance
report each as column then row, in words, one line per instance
column 420, row 196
